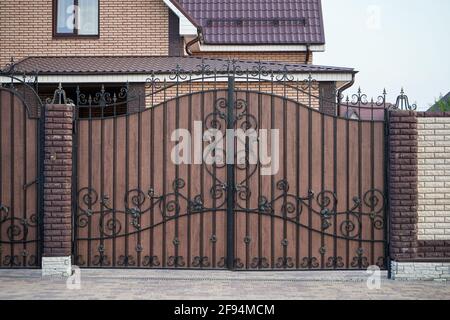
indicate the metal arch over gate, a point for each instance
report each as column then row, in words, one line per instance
column 324, row 209
column 20, row 174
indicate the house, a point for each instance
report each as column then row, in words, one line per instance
column 364, row 111
column 443, row 100
column 91, row 44
column 106, row 190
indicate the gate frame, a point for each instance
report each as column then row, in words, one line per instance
column 30, row 88
column 231, row 187
column 233, row 74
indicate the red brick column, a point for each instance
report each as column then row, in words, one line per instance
column 403, row 183
column 58, row 181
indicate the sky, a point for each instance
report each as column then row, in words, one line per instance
column 393, row 44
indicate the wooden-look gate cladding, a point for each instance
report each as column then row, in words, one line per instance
column 324, row 209
column 19, row 176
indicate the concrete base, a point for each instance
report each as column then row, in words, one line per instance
column 56, row 266
column 424, row 271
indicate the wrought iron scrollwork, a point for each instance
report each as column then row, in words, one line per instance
column 17, row 229
column 289, row 207
column 241, row 117
column 221, row 263
column 153, row 82
column 402, row 102
column 138, row 203
column 176, row 261
column 285, row 262
column 101, row 259
column 260, row 262
column 151, row 261
column 201, row 262
column 24, row 259
column 335, row 262
column 360, row 261
column 59, row 96
column 126, row 261
column 310, row 262
column 238, row 264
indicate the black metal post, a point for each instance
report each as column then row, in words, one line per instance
column 387, row 216
column 40, row 187
column 230, row 177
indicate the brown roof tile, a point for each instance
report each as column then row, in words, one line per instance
column 258, row 21
column 147, row 65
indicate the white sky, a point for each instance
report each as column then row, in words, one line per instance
column 393, row 44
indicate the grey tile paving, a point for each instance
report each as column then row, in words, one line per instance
column 191, row 285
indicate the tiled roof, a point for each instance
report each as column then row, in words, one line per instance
column 435, row 107
column 146, row 65
column 258, row 21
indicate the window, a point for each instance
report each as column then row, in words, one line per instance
column 76, row 18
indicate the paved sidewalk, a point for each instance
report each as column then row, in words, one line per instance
column 177, row 284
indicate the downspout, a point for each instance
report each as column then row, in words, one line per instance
column 308, row 53
column 193, row 41
column 341, row 90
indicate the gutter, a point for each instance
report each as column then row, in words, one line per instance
column 308, row 53
column 193, row 41
column 341, row 90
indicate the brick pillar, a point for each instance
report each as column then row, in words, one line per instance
column 57, row 190
column 403, row 184
column 327, row 94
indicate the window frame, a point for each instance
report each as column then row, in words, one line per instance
column 75, row 31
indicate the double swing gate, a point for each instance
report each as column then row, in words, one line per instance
column 134, row 207
column 324, row 206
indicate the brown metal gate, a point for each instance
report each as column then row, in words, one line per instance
column 20, row 168
column 324, row 209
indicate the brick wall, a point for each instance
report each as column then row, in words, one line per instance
column 403, row 184
column 58, row 181
column 288, row 57
column 327, row 90
column 137, row 29
column 434, row 178
column 434, row 185
column 419, row 185
column 276, row 89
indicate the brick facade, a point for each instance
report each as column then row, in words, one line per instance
column 140, row 29
column 58, row 181
column 288, row 57
column 403, row 184
column 279, row 89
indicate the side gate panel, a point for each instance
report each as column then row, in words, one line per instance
column 325, row 206
column 134, row 207
column 19, row 187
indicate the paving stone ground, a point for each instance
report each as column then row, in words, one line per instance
column 192, row 285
